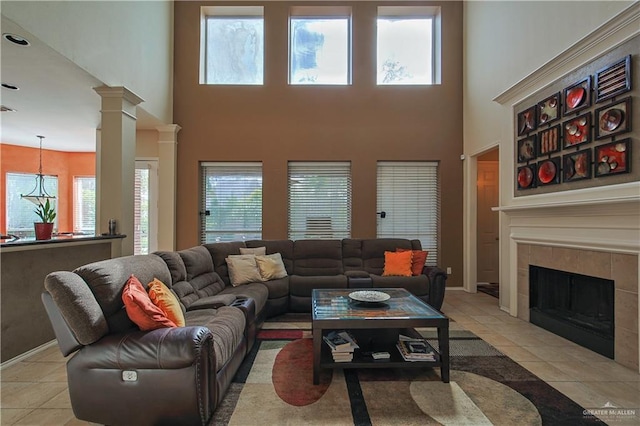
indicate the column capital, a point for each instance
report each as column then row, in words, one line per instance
column 118, row 92
column 168, row 133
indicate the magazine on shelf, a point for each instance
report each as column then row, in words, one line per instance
column 416, row 350
column 340, row 341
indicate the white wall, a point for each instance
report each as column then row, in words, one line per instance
column 121, row 43
column 504, row 43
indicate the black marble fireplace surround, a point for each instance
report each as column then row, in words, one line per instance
column 577, row 307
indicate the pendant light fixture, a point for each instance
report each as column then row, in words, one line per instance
column 39, row 195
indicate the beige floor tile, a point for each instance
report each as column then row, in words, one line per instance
column 46, row 417
column 619, row 393
column 487, row 319
column 29, row 395
column 517, row 353
column 61, row 400
column 551, row 354
column 9, row 416
column 28, row 371
column 57, row 375
column 547, row 372
column 496, row 339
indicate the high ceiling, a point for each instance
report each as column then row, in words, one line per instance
column 55, row 97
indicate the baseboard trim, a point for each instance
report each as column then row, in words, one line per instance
column 27, row 354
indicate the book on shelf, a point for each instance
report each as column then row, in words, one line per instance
column 416, row 350
column 340, row 341
column 342, row 356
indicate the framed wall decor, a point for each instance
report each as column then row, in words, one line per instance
column 527, row 149
column 576, row 166
column 613, row 79
column 613, row 119
column 549, row 171
column 526, row 177
column 577, row 96
column 549, row 109
column 613, row 158
column 549, row 140
column 527, row 120
column 577, row 130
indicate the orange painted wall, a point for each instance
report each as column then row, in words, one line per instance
column 65, row 165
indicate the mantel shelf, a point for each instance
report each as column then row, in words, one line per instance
column 625, row 200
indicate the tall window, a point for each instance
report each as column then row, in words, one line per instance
column 320, row 45
column 319, row 200
column 145, row 207
column 405, row 45
column 231, row 201
column 20, row 212
column 84, row 204
column 408, row 193
column 234, row 45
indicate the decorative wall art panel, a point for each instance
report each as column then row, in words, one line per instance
column 613, row 158
column 576, row 166
column 577, row 130
column 613, row 119
column 577, row 97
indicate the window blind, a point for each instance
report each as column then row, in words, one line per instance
column 84, row 204
column 319, row 200
column 141, row 209
column 409, row 194
column 231, row 201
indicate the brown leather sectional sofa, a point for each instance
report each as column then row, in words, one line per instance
column 121, row 375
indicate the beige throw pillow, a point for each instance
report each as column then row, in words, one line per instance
column 257, row 251
column 271, row 267
column 243, row 269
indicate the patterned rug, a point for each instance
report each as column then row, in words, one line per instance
column 274, row 387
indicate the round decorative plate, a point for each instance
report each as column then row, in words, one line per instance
column 575, row 97
column 547, row 171
column 525, row 177
column 611, row 119
column 369, row 296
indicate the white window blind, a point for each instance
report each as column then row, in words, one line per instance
column 84, row 204
column 20, row 212
column 319, row 200
column 141, row 210
column 408, row 193
column 231, row 201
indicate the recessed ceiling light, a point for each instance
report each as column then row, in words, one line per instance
column 7, row 109
column 10, row 86
column 16, row 39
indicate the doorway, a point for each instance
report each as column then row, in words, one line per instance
column 488, row 227
column 145, row 226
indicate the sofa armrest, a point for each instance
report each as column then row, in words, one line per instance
column 163, row 348
column 437, row 284
column 248, row 307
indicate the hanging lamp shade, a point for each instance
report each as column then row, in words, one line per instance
column 39, row 194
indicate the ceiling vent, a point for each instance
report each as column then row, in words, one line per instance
column 6, row 109
column 16, row 39
column 10, row 86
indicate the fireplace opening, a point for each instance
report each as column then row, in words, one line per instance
column 576, row 307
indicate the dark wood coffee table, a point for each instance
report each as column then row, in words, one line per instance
column 376, row 327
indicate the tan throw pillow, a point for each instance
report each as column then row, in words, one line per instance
column 243, row 269
column 271, row 267
column 258, row 251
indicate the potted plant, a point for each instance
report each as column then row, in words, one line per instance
column 47, row 213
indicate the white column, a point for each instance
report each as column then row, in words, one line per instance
column 116, row 168
column 167, row 184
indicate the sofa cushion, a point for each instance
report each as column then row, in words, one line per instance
column 278, row 288
column 227, row 324
column 219, row 253
column 164, row 299
column 352, row 254
column 257, row 251
column 373, row 252
column 175, row 264
column 142, row 311
column 257, row 291
column 271, row 267
column 417, row 261
column 397, row 263
column 78, row 306
column 200, row 272
column 284, row 247
column 317, row 257
column 243, row 269
column 107, row 278
column 213, row 302
column 418, row 285
column 302, row 286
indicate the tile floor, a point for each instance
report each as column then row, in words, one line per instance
column 34, row 391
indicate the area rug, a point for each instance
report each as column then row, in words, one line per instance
column 274, row 387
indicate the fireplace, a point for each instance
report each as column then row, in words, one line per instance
column 577, row 307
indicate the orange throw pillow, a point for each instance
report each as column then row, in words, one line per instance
column 164, row 299
column 397, row 264
column 418, row 260
column 141, row 309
